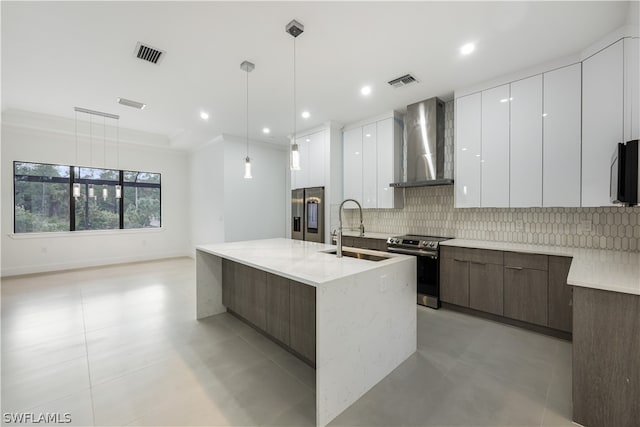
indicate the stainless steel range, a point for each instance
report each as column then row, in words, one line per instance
column 427, row 250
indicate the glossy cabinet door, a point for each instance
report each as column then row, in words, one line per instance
column 389, row 154
column 602, row 121
column 526, row 143
column 369, row 166
column 560, row 294
column 315, row 144
column 468, row 133
column 352, row 157
column 562, row 118
column 631, row 88
column 302, row 316
column 495, row 147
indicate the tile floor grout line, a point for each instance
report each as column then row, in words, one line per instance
column 86, row 349
column 276, row 363
column 546, row 398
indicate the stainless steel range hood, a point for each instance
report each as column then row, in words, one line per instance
column 425, row 153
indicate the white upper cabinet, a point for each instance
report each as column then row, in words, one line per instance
column 369, row 166
column 352, row 158
column 561, row 136
column 495, row 147
column 631, row 89
column 602, row 120
column 372, row 155
column 468, row 133
column 389, row 148
column 526, row 142
column 312, row 161
column 316, row 151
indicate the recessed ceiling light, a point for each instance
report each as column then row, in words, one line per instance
column 204, row 115
column 366, row 90
column 305, row 115
column 266, row 130
column 368, row 135
column 308, row 140
column 467, row 48
column 504, row 100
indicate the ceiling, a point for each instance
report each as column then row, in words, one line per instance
column 59, row 55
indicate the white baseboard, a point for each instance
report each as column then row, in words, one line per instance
column 77, row 264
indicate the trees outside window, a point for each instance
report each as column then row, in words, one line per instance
column 141, row 200
column 43, row 198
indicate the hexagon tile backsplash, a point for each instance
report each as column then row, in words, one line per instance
column 430, row 211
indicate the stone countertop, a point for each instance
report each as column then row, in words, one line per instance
column 298, row 260
column 607, row 270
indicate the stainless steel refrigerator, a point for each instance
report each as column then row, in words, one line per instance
column 307, row 214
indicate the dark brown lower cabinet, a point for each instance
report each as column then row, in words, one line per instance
column 282, row 308
column 242, row 288
column 525, row 294
column 486, row 287
column 606, row 358
column 258, row 298
column 278, row 307
column 228, row 284
column 454, row 281
column 303, row 319
column 560, row 294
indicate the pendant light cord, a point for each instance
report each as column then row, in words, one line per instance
column 247, row 123
column 294, row 91
column 104, row 138
column 77, row 149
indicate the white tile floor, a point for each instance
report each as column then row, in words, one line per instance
column 119, row 346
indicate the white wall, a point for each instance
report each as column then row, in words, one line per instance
column 254, row 208
column 207, row 193
column 39, row 138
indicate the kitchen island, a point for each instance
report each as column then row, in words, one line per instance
column 365, row 314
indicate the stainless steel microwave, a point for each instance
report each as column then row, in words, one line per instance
column 624, row 174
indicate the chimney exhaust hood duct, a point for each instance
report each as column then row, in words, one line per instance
column 424, row 124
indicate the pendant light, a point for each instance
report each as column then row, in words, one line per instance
column 91, row 193
column 295, row 29
column 247, row 67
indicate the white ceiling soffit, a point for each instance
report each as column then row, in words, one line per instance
column 85, row 57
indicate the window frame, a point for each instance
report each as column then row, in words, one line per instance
column 72, row 201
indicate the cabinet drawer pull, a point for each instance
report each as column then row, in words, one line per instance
column 512, row 268
column 459, row 260
column 478, row 263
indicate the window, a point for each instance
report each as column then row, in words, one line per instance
column 97, row 212
column 44, row 201
column 41, row 197
column 141, row 199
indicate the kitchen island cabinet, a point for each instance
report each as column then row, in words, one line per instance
column 355, row 318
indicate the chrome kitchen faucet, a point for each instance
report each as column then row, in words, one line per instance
column 339, row 236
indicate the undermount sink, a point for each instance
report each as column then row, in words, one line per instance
column 359, row 255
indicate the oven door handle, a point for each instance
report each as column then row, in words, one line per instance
column 415, row 253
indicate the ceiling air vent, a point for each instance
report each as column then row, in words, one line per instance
column 130, row 103
column 403, row 81
column 148, row 53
